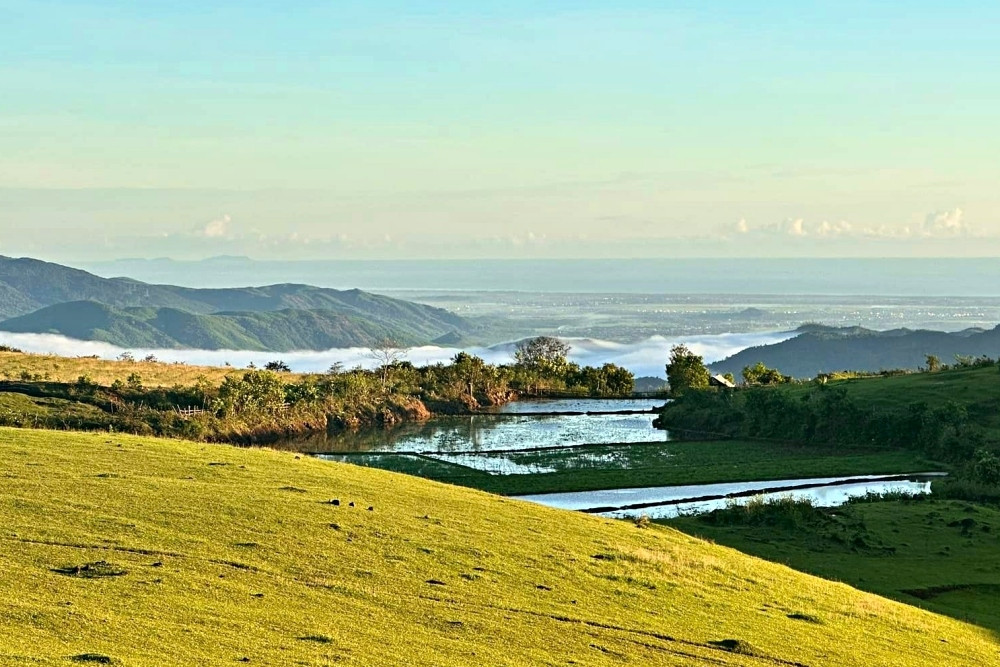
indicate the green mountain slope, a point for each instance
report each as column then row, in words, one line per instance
column 341, row 317
column 147, row 552
column 823, row 350
column 282, row 330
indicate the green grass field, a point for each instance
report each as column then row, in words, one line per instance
column 592, row 467
column 978, row 389
column 940, row 554
column 153, row 552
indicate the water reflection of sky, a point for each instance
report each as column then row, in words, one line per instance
column 581, row 405
column 673, row 497
column 483, row 433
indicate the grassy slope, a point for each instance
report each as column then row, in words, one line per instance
column 243, row 560
column 68, row 369
column 591, row 467
column 945, row 553
column 978, row 389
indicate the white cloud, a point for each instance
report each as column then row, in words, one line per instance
column 794, row 227
column 217, row 228
column 940, row 224
column 945, row 223
column 826, row 228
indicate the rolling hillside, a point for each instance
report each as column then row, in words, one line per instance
column 825, row 349
column 281, row 331
column 41, row 297
column 165, row 552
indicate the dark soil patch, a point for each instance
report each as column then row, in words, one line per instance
column 95, row 570
column 808, row 618
column 735, row 646
column 95, row 658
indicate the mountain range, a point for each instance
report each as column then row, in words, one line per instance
column 42, row 297
column 820, row 349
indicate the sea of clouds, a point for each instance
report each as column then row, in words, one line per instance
column 644, row 358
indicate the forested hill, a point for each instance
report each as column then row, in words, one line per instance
column 825, row 349
column 42, row 297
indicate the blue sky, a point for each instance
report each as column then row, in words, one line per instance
column 403, row 129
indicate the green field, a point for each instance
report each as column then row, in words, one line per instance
column 977, row 388
column 939, row 554
column 152, row 552
column 592, row 467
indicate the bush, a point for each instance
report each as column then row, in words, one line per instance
column 783, row 511
column 277, row 366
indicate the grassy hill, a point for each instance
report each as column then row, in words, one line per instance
column 280, row 331
column 146, row 552
column 16, row 365
column 936, row 554
column 947, row 414
column 55, row 299
column 825, row 349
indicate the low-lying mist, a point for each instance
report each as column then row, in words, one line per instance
column 645, row 358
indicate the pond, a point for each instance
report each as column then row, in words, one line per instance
column 666, row 502
column 551, row 405
column 523, row 425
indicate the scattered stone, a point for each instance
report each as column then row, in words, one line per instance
column 436, row 582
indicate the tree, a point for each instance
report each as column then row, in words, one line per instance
column 277, row 366
column 759, row 374
column 615, row 380
column 256, row 393
column 470, row 370
column 686, row 370
column 933, row 363
column 544, row 353
column 386, row 353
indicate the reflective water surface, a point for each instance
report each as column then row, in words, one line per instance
column 670, row 501
column 522, row 425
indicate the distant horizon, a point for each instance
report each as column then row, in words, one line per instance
column 902, row 277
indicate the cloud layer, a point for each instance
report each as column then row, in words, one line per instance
column 938, row 224
column 644, row 358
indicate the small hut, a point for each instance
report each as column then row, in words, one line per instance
column 720, row 381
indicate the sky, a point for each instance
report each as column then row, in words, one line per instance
column 387, row 130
